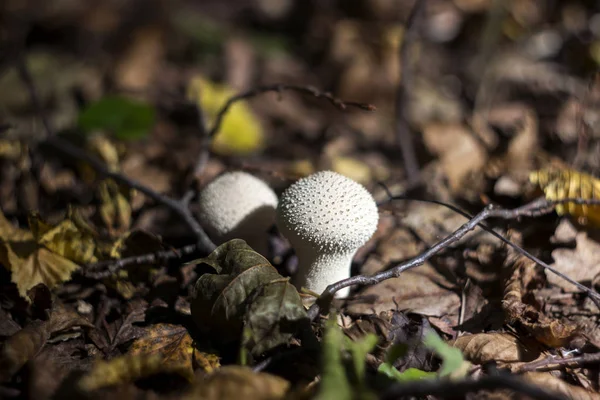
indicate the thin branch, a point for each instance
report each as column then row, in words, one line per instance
column 104, row 269
column 76, row 153
column 403, row 131
column 459, row 389
column 207, row 136
column 531, row 209
column 549, row 361
column 279, row 88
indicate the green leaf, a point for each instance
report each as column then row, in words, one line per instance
column 247, row 291
column 359, row 350
column 334, row 382
column 411, row 374
column 126, row 119
column 453, row 362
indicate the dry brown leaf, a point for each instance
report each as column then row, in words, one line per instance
column 460, row 153
column 554, row 384
column 503, row 348
column 581, row 264
column 25, row 344
column 21, row 347
column 236, row 382
column 549, row 331
column 172, row 342
column 417, row 291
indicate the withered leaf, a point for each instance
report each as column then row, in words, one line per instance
column 26, row 343
column 273, row 315
column 172, row 342
column 22, row 347
column 554, row 384
column 581, row 264
column 551, row 332
column 47, row 254
column 235, row 382
column 247, row 289
column 207, row 362
column 503, row 348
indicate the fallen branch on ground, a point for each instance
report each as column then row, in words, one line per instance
column 532, row 209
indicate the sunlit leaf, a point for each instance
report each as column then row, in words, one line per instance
column 172, row 342
column 47, row 254
column 127, row 119
column 241, row 132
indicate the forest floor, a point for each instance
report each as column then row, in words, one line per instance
column 471, row 122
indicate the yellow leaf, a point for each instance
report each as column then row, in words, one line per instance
column 565, row 183
column 241, row 132
column 352, row 168
column 115, row 209
column 173, row 342
column 31, row 265
column 10, row 232
column 120, row 370
column 208, row 362
column 64, row 239
column 102, row 148
column 47, row 254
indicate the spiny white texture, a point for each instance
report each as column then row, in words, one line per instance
column 237, row 204
column 326, row 217
column 329, row 211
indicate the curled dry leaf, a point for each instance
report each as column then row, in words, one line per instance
column 559, row 386
column 236, row 382
column 172, row 343
column 547, row 330
column 503, row 348
column 247, row 290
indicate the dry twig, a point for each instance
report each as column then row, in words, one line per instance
column 532, row 209
column 76, row 153
column 207, row 135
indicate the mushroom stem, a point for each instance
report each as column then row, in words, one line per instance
column 317, row 270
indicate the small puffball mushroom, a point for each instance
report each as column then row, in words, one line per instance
column 326, row 217
column 238, row 205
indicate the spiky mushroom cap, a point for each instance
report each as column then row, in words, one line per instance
column 327, row 218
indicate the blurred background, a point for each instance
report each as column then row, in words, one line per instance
column 481, row 88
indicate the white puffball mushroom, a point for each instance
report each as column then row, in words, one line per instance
column 327, row 218
column 238, row 205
